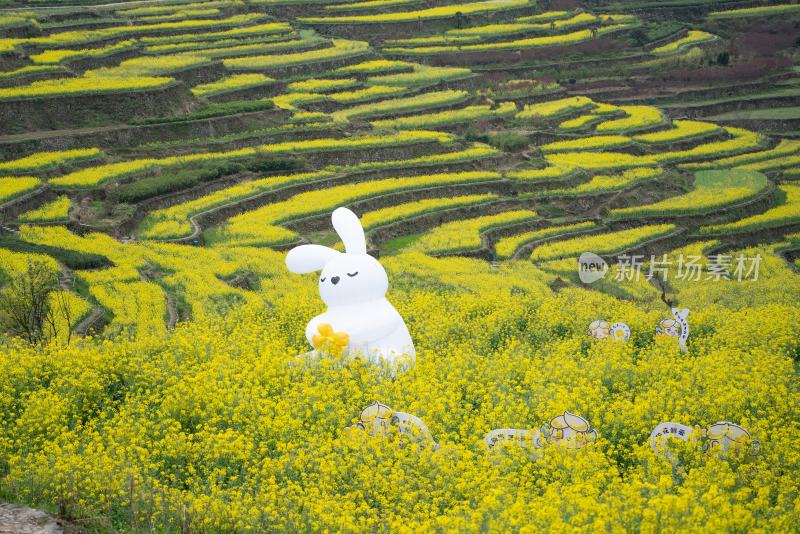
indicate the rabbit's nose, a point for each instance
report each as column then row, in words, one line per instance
column 335, row 280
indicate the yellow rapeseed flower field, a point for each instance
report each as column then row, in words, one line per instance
column 217, row 424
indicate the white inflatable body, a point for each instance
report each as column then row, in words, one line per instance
column 353, row 284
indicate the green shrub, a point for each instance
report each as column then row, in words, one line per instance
column 509, row 141
column 274, row 164
column 168, row 181
column 214, row 110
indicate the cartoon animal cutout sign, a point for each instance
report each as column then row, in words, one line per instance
column 662, row 433
column 601, row 329
column 359, row 320
column 620, row 332
column 724, row 436
column 375, row 419
column 570, row 430
column 677, row 327
column 378, row 418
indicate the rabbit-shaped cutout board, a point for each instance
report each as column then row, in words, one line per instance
column 353, row 284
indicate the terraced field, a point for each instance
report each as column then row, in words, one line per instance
column 158, row 158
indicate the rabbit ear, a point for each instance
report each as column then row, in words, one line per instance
column 350, row 231
column 309, row 258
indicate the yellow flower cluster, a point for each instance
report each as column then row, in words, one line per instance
column 251, row 47
column 74, row 37
column 603, row 183
column 68, row 309
column 600, row 160
column 421, row 75
column 682, row 130
column 428, row 41
column 269, row 28
column 421, row 14
column 138, row 307
column 368, row 93
column 594, row 115
column 546, row 16
column 374, row 67
column 368, row 4
column 291, row 101
column 785, row 147
column 639, row 117
column 554, row 108
column 30, row 69
column 554, row 172
column 326, row 340
column 9, row 45
column 447, row 118
column 693, row 37
column 322, row 85
column 339, row 49
column 57, row 210
column 171, row 8
column 587, row 143
column 740, row 141
column 216, row 45
column 83, row 86
column 786, row 162
column 59, row 56
column 41, row 160
column 786, row 213
column 760, row 11
column 712, row 190
column 507, row 246
column 467, row 234
column 14, row 263
column 7, row 21
column 494, row 30
column 607, row 243
column 232, row 83
column 401, row 105
column 181, row 15
column 474, row 152
column 149, row 66
column 383, row 216
column 14, row 186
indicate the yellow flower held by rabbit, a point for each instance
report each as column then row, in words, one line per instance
column 329, row 341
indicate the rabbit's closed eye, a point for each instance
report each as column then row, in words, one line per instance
column 352, row 274
column 322, row 279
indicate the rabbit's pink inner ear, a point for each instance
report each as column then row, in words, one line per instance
column 349, row 228
column 309, row 258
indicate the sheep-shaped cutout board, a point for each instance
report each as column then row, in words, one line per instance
column 353, row 285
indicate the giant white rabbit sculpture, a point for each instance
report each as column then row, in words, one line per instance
column 353, row 284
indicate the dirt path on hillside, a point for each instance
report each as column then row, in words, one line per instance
column 19, row 520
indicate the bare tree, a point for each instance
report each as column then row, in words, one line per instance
column 59, row 306
column 29, row 305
